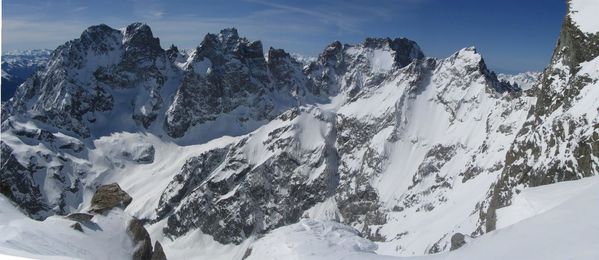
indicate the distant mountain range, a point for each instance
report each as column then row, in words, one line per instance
column 18, row 66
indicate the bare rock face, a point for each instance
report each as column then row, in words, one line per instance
column 141, row 239
column 158, row 253
column 109, row 196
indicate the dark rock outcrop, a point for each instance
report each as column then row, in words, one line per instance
column 158, row 253
column 77, row 227
column 457, row 241
column 80, row 217
column 109, row 196
column 141, row 240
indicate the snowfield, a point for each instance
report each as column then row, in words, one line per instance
column 584, row 14
column 53, row 238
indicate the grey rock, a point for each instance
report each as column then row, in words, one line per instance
column 141, row 240
column 457, row 241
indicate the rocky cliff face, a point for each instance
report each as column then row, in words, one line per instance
column 560, row 139
column 375, row 135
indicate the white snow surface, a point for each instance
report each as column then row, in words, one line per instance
column 584, row 15
column 311, row 239
column 104, row 237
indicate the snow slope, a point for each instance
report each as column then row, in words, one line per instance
column 53, row 238
column 567, row 230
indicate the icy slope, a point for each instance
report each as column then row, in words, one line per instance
column 526, row 236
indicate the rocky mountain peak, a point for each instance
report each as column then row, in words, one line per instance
column 138, row 38
column 471, row 61
column 97, row 31
column 331, row 52
column 405, row 50
column 228, row 42
column 172, row 53
column 228, row 35
column 138, row 29
column 275, row 54
column 98, row 38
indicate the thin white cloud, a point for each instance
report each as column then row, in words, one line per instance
column 150, row 9
column 79, row 9
column 343, row 22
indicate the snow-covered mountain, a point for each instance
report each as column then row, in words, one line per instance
column 525, row 80
column 17, row 66
column 372, row 148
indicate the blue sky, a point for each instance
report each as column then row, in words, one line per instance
column 512, row 35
